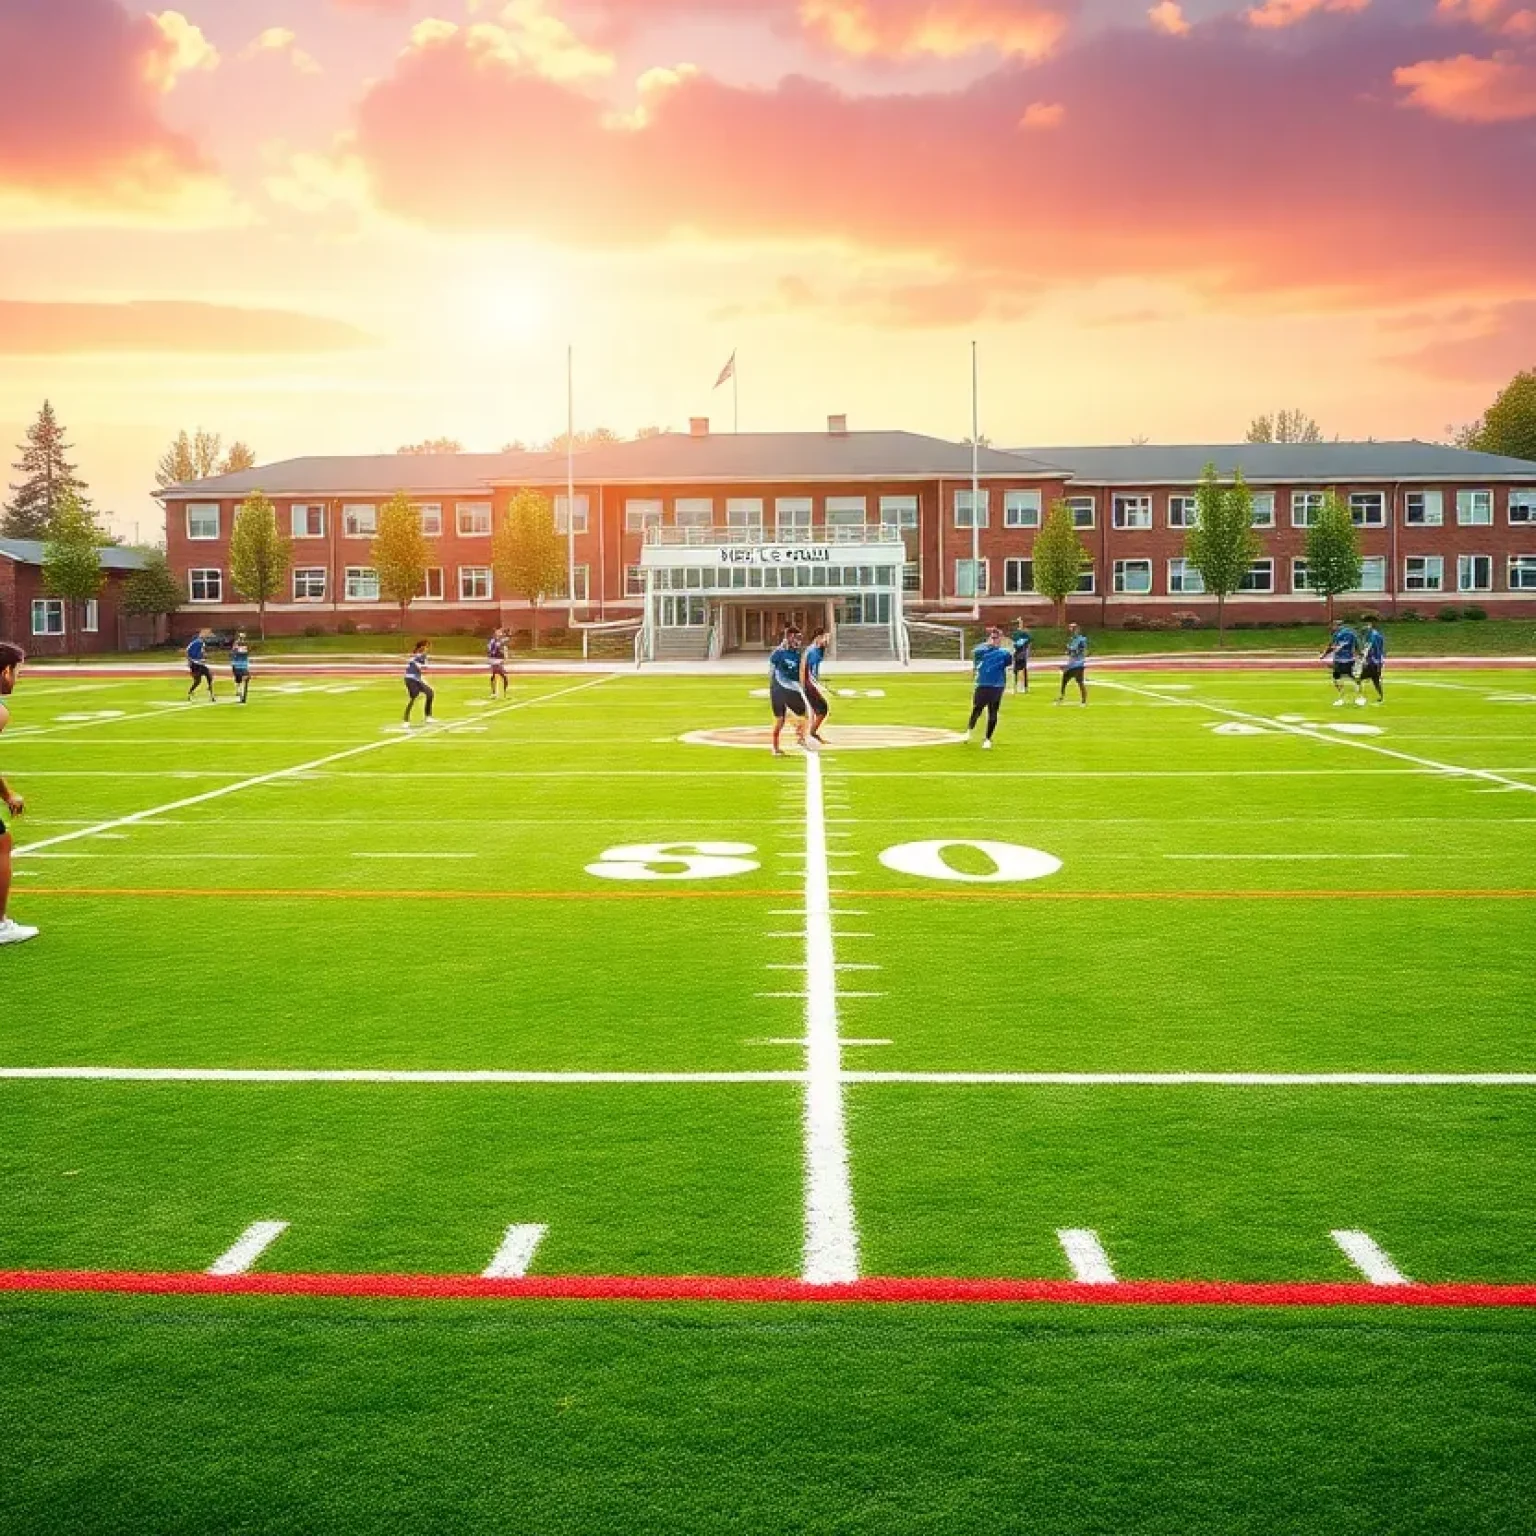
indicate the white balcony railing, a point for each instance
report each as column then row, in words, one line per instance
column 872, row 533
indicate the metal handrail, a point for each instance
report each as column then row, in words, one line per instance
column 867, row 533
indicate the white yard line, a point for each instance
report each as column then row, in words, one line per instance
column 831, row 1254
column 371, row 1075
column 1204, row 1079
column 1286, row 858
column 250, row 1246
column 515, row 1253
column 1311, row 733
column 1367, row 1256
column 288, row 773
column 1085, row 1253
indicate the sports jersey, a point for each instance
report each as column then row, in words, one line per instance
column 497, row 649
column 992, row 663
column 413, row 667
column 240, row 658
column 1344, row 645
column 1375, row 647
column 1077, row 652
column 813, row 660
column 1022, row 640
column 197, row 650
column 784, row 667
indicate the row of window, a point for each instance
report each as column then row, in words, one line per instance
column 360, row 584
column 48, row 616
column 769, row 578
column 1421, row 573
column 360, row 520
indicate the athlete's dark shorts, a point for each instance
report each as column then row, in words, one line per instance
column 987, row 698
column 417, row 689
column 498, row 669
column 1371, row 672
column 1342, row 670
column 200, row 670
column 785, row 701
column 819, row 702
column 1075, row 674
column 240, row 673
column 1021, row 663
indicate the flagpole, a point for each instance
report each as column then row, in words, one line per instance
column 570, row 486
column 975, row 481
column 735, row 395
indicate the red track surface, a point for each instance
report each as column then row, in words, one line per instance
column 1181, row 1293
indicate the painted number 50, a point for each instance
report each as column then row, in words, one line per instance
column 1009, row 861
column 674, row 861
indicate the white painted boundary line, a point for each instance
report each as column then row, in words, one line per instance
column 367, row 1075
column 249, row 1247
column 1085, row 1253
column 288, row 773
column 1203, row 1079
column 831, row 1254
column 1366, row 1255
column 515, row 1253
column 1313, row 734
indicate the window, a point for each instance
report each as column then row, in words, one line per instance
column 1474, row 573
column 1424, row 509
column 745, row 512
column 1474, row 509
column 205, row 586
column 203, row 520
column 474, row 583
column 641, row 516
column 583, row 584
column 309, row 584
column 362, row 585
column 966, row 574
column 432, row 587
column 964, row 510
column 1522, row 573
column 1018, row 576
column 47, row 616
column 1132, row 512
column 792, row 517
column 1184, row 580
column 1021, row 509
column 473, row 519
column 1305, row 505
column 359, row 522
column 1263, row 509
column 1373, row 574
column 1082, row 511
column 694, row 512
column 307, row 519
column 1086, row 582
column 897, row 512
column 1260, row 577
column 1423, row 573
column 1299, row 581
column 1133, row 576
column 634, row 581
column 846, row 511
column 583, row 506
column 431, row 515
column 1522, row 507
column 1368, row 509
column 1183, row 511
column 90, row 619
column 912, row 576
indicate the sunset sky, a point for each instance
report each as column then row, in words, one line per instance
column 338, row 225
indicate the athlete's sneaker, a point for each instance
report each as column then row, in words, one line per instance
column 1359, row 701
column 1338, row 703
column 986, row 746
column 12, row 932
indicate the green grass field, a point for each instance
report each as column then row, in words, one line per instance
column 1279, row 987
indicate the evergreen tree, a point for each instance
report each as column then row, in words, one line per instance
column 528, row 554
column 1059, row 559
column 47, row 478
column 1333, row 551
column 400, row 553
column 72, row 561
column 1284, row 427
column 1222, row 545
column 153, row 589
column 240, row 456
column 193, row 458
column 259, row 555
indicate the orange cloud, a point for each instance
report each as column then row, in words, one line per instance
column 282, row 43
column 527, row 36
column 1502, row 344
column 1043, row 114
column 1507, row 18
column 1286, row 13
column 1467, row 89
column 1168, row 17
column 45, row 330
column 942, row 28
column 185, row 50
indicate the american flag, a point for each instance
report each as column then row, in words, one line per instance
column 728, row 372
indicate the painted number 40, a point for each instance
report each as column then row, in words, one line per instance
column 1009, row 863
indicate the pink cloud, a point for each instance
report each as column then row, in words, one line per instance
column 1503, row 344
column 1467, row 89
column 1168, row 17
column 1507, row 18
column 1043, row 114
column 1273, row 14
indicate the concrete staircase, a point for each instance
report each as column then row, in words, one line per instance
column 681, row 644
column 857, row 643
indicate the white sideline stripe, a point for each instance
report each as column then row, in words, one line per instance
column 831, row 1255
column 1285, row 857
column 515, row 1253
column 1313, row 734
column 371, row 1075
column 285, row 773
column 249, row 1247
column 1085, row 1253
column 1206, row 1079
column 415, row 855
column 1368, row 1257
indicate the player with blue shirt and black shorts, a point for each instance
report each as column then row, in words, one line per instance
column 1022, row 641
column 1375, row 659
column 991, row 662
column 810, row 680
column 197, row 665
column 1344, row 651
column 1075, row 669
column 786, row 695
column 11, row 932
column 240, row 666
column 416, row 686
column 496, row 655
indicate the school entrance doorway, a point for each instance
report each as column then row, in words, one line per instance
column 760, row 629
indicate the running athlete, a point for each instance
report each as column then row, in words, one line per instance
column 784, row 690
column 11, row 932
column 1375, row 659
column 1075, row 670
column 810, row 680
column 990, row 662
column 197, row 665
column 416, row 686
column 1342, row 650
column 240, row 665
column 1022, row 641
column 496, row 655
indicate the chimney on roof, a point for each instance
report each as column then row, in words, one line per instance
column 837, row 426
column 698, row 426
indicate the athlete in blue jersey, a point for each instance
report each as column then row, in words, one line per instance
column 991, row 662
column 785, row 692
column 810, row 679
column 1022, row 641
column 11, row 932
column 240, row 666
column 1075, row 668
column 197, row 665
column 496, row 653
column 1343, row 650
column 1375, row 659
column 416, row 685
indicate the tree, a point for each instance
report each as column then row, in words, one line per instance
column 648, row 432
column 1222, row 545
column 597, row 437
column 152, row 590
column 48, row 478
column 201, row 457
column 1285, row 427
column 980, row 442
column 1508, row 426
column 400, row 553
column 433, row 445
column 1060, row 558
column 1333, row 551
column 258, row 554
column 529, row 556
column 240, row 456
column 72, row 561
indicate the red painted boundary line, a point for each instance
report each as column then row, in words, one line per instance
column 1181, row 1293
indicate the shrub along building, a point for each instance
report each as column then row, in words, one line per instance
column 48, row 626
column 709, row 543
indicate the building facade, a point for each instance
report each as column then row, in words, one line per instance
column 48, row 626
column 710, row 543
